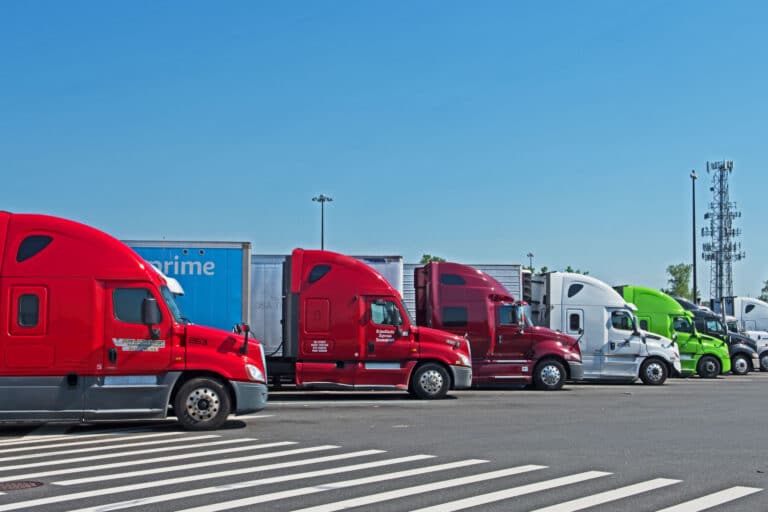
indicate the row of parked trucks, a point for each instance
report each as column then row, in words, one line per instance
column 101, row 329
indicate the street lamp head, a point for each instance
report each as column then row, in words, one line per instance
column 693, row 175
column 530, row 255
column 322, row 198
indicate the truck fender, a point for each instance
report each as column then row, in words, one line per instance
column 191, row 374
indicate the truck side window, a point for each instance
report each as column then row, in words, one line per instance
column 32, row 245
column 644, row 324
column 681, row 325
column 574, row 289
column 127, row 302
column 385, row 312
column 317, row 272
column 507, row 315
column 29, row 310
column 621, row 320
column 574, row 322
column 454, row 316
column 749, row 308
column 451, row 279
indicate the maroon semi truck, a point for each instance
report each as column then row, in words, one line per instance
column 506, row 347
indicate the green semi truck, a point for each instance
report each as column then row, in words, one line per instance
column 658, row 312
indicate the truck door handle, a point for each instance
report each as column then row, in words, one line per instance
column 613, row 345
column 501, row 338
column 112, row 355
column 371, row 347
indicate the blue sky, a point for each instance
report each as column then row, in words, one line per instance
column 478, row 131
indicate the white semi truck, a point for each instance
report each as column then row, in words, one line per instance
column 612, row 346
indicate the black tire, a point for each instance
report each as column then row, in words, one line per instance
column 549, row 375
column 739, row 365
column 708, row 367
column 764, row 361
column 202, row 403
column 430, row 382
column 653, row 372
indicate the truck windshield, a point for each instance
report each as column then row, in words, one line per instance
column 170, row 301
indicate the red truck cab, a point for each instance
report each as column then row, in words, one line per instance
column 506, row 347
column 90, row 331
column 345, row 327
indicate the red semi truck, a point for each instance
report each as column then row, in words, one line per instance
column 345, row 327
column 505, row 345
column 90, row 331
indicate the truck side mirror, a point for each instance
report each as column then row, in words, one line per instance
column 150, row 312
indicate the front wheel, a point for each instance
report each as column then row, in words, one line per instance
column 708, row 367
column 653, row 372
column 430, row 382
column 764, row 361
column 202, row 403
column 549, row 375
column 739, row 365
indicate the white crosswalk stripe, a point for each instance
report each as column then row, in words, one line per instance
column 103, row 448
column 329, row 486
column 148, row 479
column 420, row 489
column 609, row 496
column 712, row 500
column 514, row 491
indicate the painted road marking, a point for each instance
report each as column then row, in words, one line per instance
column 214, row 489
column 204, row 464
column 514, row 491
column 608, row 496
column 92, row 441
column 712, row 500
column 330, row 486
column 419, row 489
column 119, row 454
column 33, row 438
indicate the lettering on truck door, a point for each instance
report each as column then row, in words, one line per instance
column 136, row 356
column 387, row 343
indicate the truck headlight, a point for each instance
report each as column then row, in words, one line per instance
column 464, row 360
column 254, row 373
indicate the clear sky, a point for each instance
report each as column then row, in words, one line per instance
column 477, row 131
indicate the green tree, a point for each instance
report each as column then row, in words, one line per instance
column 427, row 258
column 679, row 280
column 578, row 270
column 544, row 270
column 764, row 292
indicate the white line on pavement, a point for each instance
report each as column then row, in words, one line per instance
column 514, row 491
column 608, row 496
column 244, row 485
column 113, row 455
column 712, row 500
column 204, row 464
column 330, row 486
column 34, row 438
column 92, row 441
column 419, row 489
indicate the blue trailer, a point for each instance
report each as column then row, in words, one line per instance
column 215, row 277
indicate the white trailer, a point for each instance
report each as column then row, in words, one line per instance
column 612, row 346
column 751, row 314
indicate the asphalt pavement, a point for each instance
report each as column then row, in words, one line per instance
column 692, row 444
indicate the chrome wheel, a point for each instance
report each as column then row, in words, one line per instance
column 202, row 404
column 764, row 362
column 550, row 375
column 740, row 366
column 654, row 372
column 431, row 381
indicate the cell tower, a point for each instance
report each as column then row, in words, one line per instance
column 722, row 250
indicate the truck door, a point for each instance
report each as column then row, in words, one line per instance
column 591, row 357
column 621, row 353
column 512, row 341
column 687, row 342
column 388, row 344
column 136, row 356
column 36, row 385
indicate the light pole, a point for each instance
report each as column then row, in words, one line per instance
column 322, row 199
column 530, row 261
column 693, row 197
